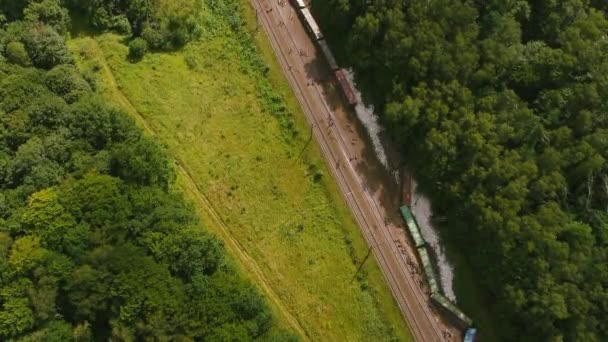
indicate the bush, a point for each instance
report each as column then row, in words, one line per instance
column 16, row 53
column 137, row 49
column 191, row 61
column 46, row 47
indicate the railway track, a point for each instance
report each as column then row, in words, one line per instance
column 423, row 328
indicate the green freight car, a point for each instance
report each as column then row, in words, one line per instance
column 428, row 270
column 447, row 305
column 412, row 226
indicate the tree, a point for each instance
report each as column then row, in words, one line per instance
column 49, row 12
column 46, row 47
column 47, row 218
column 26, row 254
column 46, row 111
column 66, row 81
column 15, row 317
column 91, row 120
column 143, row 163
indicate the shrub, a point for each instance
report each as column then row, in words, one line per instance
column 137, row 49
column 16, row 53
column 191, row 61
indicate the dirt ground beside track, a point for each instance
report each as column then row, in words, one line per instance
column 370, row 191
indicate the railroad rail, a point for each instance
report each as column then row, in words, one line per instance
column 385, row 236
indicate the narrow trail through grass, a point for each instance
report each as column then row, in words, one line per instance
column 282, row 217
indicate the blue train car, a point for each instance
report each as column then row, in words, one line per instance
column 469, row 335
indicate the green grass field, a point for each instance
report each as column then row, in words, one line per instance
column 206, row 104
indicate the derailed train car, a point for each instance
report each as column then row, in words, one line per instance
column 431, row 278
column 452, row 309
column 429, row 272
column 346, row 86
column 412, row 227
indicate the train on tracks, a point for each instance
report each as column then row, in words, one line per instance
column 345, row 85
column 436, row 294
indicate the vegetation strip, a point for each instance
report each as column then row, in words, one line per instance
column 94, row 243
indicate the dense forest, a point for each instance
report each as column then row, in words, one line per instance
column 94, row 243
column 500, row 107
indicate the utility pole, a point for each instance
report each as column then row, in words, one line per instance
column 257, row 22
column 308, row 142
column 369, row 252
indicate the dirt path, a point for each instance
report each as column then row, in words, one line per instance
column 203, row 204
column 366, row 186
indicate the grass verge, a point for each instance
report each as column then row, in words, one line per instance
column 239, row 133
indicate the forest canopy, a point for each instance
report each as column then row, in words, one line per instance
column 94, row 243
column 500, row 108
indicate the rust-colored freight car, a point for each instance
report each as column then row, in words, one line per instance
column 346, row 87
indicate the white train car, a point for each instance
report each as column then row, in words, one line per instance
column 298, row 3
column 311, row 24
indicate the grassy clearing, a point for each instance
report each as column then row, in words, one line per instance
column 221, row 118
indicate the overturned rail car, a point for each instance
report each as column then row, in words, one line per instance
column 346, row 87
column 428, row 270
column 412, row 226
column 448, row 306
